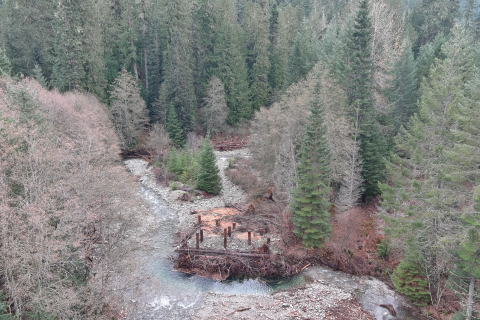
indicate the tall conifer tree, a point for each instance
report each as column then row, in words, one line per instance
column 426, row 188
column 404, row 87
column 310, row 203
column 257, row 34
column 360, row 93
column 230, row 64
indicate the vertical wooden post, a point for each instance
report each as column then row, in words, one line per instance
column 249, row 238
column 217, row 222
column 229, row 232
column 225, row 238
column 199, row 219
column 197, row 243
column 201, row 235
column 267, row 248
column 234, row 225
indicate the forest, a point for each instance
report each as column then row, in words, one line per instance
column 345, row 104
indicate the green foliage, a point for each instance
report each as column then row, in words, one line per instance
column 404, row 88
column 427, row 56
column 174, row 186
column 360, row 95
column 5, row 67
column 208, row 178
column 276, row 73
column 310, row 203
column 411, row 281
column 230, row 64
column 302, row 57
column 38, row 75
column 431, row 17
column 469, row 251
column 174, row 128
column 383, row 249
column 184, row 164
column 4, row 307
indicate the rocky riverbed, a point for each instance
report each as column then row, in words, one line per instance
column 230, row 194
column 323, row 293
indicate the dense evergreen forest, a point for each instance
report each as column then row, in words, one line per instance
column 346, row 102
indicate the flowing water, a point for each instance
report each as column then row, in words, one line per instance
column 179, row 293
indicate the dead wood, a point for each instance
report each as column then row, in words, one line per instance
column 390, row 308
column 224, row 253
column 239, row 310
column 188, row 236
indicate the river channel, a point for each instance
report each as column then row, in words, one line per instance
column 176, row 295
column 179, row 293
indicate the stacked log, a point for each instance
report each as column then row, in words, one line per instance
column 229, row 143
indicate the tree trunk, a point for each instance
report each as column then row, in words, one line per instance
column 471, row 292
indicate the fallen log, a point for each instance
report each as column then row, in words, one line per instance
column 390, row 308
column 223, row 253
column 239, row 310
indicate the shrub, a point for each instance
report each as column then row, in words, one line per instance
column 410, row 280
column 183, row 165
column 208, row 178
column 383, row 249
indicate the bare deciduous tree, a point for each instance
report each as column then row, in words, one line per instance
column 128, row 109
column 215, row 110
column 65, row 202
column 277, row 131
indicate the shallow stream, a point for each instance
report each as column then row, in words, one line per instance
column 179, row 293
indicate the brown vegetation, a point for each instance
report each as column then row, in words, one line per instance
column 65, row 203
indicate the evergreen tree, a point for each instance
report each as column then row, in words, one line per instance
column 129, row 110
column 178, row 87
column 276, row 73
column 335, row 49
column 427, row 178
column 29, row 34
column 204, row 45
column 427, row 56
column 257, row 43
column 230, row 64
column 174, row 127
column 404, row 88
column 38, row 75
column 288, row 26
column 154, row 65
column 208, row 178
column 78, row 58
column 5, row 67
column 360, row 93
column 301, row 59
column 431, row 17
column 469, row 9
column 409, row 280
column 310, row 203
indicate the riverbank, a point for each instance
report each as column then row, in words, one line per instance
column 326, row 295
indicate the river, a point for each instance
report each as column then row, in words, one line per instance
column 176, row 295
